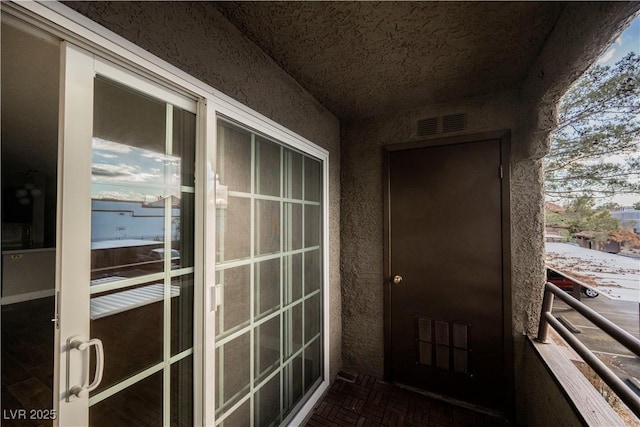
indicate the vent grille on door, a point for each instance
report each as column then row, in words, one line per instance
column 444, row 345
column 427, row 126
column 454, row 123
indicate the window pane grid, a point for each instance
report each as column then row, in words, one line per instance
column 139, row 212
column 232, row 334
column 241, row 194
column 277, row 246
column 248, row 261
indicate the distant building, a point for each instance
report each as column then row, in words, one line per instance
column 117, row 219
column 553, row 207
column 586, row 239
column 629, row 218
column 554, row 237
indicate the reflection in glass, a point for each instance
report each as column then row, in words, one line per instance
column 127, row 239
column 183, row 224
column 182, row 392
column 128, row 117
column 142, row 230
column 128, row 210
column 130, row 324
column 139, row 404
column 184, row 144
column 115, row 163
column 181, row 313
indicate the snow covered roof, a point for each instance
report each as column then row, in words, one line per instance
column 615, row 276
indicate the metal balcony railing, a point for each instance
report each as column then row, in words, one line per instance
column 624, row 392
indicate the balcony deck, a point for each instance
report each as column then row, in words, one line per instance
column 366, row 401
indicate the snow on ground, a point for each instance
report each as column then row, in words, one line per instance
column 613, row 275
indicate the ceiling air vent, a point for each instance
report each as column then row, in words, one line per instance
column 427, row 126
column 454, row 122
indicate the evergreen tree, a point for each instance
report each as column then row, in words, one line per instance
column 581, row 215
column 595, row 150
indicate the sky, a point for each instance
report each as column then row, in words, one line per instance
column 629, row 41
column 125, row 172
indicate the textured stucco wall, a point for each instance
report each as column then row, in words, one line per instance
column 361, row 212
column 196, row 38
column 530, row 114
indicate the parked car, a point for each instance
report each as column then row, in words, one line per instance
column 154, row 256
column 567, row 284
column 159, row 254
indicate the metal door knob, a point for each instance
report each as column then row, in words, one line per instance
column 397, row 279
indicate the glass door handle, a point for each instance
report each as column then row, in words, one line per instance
column 75, row 343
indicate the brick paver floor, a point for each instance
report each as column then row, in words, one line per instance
column 366, row 401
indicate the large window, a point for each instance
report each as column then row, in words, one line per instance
column 269, row 258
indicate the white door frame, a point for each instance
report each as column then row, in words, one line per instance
column 79, row 69
column 73, row 247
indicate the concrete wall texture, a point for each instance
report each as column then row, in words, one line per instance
column 530, row 114
column 362, row 206
column 201, row 42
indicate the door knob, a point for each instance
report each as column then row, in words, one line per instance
column 397, row 279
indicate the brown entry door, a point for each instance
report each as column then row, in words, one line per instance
column 445, row 307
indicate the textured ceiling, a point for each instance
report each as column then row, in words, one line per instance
column 364, row 58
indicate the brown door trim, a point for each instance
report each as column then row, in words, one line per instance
column 504, row 137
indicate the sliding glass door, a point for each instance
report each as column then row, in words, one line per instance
column 190, row 255
column 269, row 270
column 142, row 255
column 126, row 293
column 132, row 279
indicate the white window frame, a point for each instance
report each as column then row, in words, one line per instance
column 234, row 111
column 62, row 22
